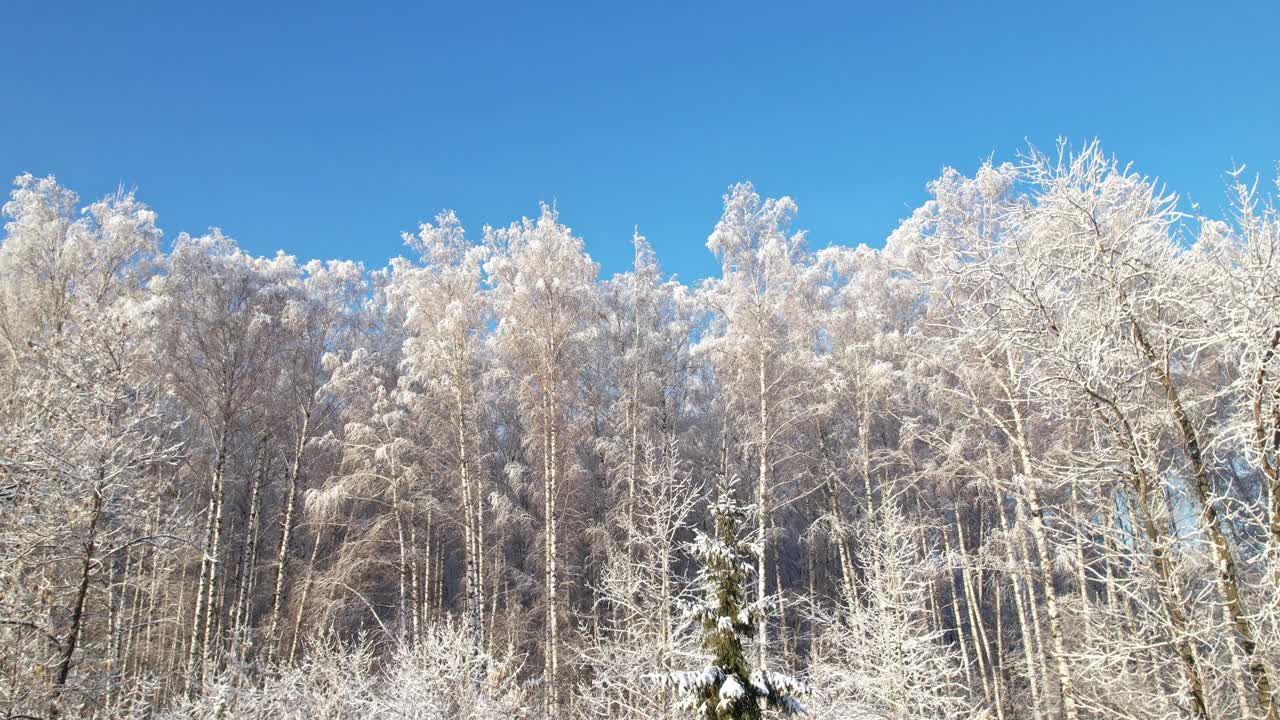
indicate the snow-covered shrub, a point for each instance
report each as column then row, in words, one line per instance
column 444, row 677
column 441, row 676
column 335, row 681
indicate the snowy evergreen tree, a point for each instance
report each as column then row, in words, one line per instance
column 728, row 688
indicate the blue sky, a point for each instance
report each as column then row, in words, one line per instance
column 326, row 129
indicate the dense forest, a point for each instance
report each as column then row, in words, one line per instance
column 1023, row 462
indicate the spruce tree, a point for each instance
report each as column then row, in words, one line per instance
column 728, row 688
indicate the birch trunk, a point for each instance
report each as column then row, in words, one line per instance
column 415, row 599
column 1226, row 574
column 976, row 629
column 1170, row 596
column 212, row 608
column 404, row 618
column 78, row 609
column 1058, row 644
column 552, row 488
column 999, row 670
column 473, row 515
column 1268, row 439
column 1028, row 641
column 1032, row 496
column 302, row 599
column 864, row 447
column 427, row 561
column 1082, row 574
column 286, row 534
column 955, row 613
column 762, row 490
column 840, row 536
column 249, row 564
column 208, row 562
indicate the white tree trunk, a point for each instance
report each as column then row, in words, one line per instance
column 762, row 498
column 286, row 534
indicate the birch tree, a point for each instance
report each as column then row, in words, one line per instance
column 216, row 311
column 446, row 309
column 543, row 291
column 85, row 432
column 761, row 339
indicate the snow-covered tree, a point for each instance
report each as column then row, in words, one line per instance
column 639, row 589
column 86, row 435
column 543, row 294
column 762, row 342
column 319, row 321
column 728, row 687
column 880, row 655
column 445, row 310
column 216, row 311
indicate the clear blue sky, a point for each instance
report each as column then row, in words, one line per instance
column 326, row 129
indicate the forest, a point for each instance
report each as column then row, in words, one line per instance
column 1020, row 460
